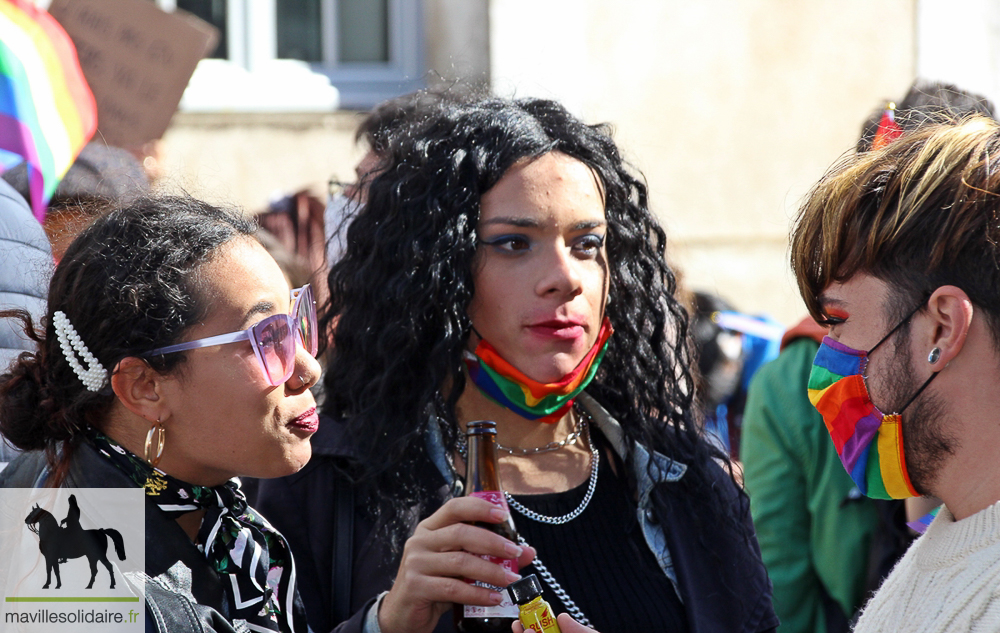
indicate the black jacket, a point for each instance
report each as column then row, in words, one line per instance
column 722, row 580
column 183, row 593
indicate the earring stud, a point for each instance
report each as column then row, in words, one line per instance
column 934, row 356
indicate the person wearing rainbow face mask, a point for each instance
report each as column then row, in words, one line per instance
column 506, row 267
column 896, row 250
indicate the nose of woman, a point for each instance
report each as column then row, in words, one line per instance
column 560, row 273
column 307, row 371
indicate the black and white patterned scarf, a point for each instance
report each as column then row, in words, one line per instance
column 252, row 557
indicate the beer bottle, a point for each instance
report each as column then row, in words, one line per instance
column 482, row 479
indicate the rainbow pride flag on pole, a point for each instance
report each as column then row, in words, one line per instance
column 47, row 111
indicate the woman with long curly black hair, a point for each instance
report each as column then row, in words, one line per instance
column 506, row 267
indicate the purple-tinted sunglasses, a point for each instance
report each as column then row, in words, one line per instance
column 273, row 339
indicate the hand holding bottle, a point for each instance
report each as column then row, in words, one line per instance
column 444, row 550
column 566, row 624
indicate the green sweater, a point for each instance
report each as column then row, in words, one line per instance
column 813, row 525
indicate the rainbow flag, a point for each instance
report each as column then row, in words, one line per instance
column 508, row 386
column 47, row 111
column 869, row 443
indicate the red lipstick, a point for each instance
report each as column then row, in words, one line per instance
column 564, row 329
column 308, row 421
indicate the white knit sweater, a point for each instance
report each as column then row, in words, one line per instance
column 948, row 581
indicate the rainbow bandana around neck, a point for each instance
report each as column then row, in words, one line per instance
column 546, row 402
column 869, row 442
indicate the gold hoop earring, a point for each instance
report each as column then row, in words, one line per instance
column 153, row 457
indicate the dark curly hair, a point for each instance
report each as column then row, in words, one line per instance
column 399, row 299
column 128, row 284
column 387, row 118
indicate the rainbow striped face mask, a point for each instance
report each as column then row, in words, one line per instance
column 546, row 402
column 869, row 442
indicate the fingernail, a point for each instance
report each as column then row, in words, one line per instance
column 512, row 577
column 499, row 514
column 496, row 597
column 513, row 551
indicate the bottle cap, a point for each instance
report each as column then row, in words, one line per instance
column 481, row 427
column 525, row 590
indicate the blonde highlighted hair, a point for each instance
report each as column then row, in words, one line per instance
column 921, row 213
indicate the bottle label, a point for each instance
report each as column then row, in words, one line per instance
column 539, row 620
column 493, row 496
column 506, row 609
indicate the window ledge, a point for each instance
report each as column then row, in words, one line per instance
column 345, row 121
column 282, row 85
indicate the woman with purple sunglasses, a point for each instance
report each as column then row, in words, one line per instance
column 174, row 357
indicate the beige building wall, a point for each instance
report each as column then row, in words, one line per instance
column 731, row 110
column 246, row 159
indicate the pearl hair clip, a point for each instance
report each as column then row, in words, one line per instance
column 95, row 377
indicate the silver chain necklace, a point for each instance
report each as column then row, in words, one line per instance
column 543, row 571
column 595, row 461
column 550, row 580
column 582, row 425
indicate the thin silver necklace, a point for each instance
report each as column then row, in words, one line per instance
column 595, row 461
column 569, row 440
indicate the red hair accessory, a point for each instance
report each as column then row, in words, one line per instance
column 888, row 130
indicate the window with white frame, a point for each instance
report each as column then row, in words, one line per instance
column 281, row 55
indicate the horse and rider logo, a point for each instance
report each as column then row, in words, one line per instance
column 59, row 544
